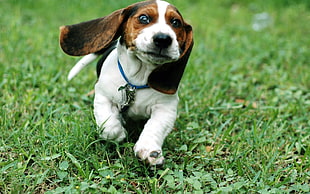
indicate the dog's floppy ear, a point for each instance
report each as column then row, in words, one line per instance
column 91, row 36
column 166, row 77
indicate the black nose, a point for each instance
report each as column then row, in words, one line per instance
column 162, row 40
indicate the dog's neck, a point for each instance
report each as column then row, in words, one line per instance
column 135, row 70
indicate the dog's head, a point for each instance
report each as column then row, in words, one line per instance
column 153, row 30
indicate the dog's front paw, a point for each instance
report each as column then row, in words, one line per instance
column 149, row 154
column 115, row 133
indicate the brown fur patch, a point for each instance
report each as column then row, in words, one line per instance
column 134, row 26
column 173, row 13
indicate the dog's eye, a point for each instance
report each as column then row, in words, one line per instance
column 176, row 23
column 144, row 19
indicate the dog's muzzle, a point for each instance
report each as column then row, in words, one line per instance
column 162, row 40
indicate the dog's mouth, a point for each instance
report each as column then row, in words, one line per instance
column 159, row 55
column 158, row 58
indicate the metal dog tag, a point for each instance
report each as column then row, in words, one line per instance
column 128, row 95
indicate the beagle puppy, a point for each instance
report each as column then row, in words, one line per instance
column 144, row 49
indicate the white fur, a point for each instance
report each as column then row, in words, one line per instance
column 145, row 38
column 160, row 109
column 81, row 64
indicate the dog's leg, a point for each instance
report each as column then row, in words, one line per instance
column 108, row 119
column 148, row 147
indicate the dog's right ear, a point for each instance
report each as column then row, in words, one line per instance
column 91, row 36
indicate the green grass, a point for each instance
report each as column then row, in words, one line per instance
column 243, row 125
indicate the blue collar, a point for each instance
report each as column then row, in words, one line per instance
column 126, row 79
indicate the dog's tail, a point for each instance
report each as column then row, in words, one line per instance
column 81, row 64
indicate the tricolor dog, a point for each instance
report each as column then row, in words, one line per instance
column 144, row 49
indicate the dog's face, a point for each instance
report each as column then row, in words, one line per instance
column 155, row 32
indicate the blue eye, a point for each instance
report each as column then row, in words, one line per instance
column 144, row 19
column 176, row 23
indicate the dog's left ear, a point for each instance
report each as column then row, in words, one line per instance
column 91, row 36
column 166, row 78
